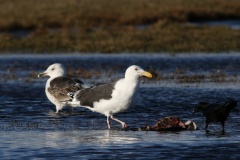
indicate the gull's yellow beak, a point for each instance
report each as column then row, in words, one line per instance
column 147, row 74
column 42, row 74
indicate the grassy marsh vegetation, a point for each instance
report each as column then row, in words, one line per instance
column 109, row 26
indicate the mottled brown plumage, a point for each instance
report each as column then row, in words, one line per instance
column 61, row 86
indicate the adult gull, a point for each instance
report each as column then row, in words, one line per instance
column 110, row 98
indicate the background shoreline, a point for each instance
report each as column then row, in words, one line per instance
column 120, row 26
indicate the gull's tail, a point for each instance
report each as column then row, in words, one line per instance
column 70, row 103
column 71, row 94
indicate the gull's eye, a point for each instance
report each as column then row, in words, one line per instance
column 136, row 69
column 52, row 69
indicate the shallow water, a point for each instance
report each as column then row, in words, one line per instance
column 29, row 128
column 233, row 24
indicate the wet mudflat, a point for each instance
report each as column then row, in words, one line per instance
column 30, row 128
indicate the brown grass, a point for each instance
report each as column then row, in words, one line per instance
column 32, row 14
column 108, row 26
column 163, row 36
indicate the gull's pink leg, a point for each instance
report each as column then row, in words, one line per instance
column 108, row 123
column 122, row 123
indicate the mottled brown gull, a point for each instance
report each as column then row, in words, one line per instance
column 58, row 85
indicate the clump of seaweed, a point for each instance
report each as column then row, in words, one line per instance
column 81, row 73
column 181, row 76
column 110, row 74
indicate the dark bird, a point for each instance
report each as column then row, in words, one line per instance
column 215, row 112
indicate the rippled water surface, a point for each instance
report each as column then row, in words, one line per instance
column 29, row 128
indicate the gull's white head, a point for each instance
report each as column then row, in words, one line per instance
column 134, row 72
column 55, row 70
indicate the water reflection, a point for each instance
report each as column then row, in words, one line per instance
column 114, row 143
column 91, row 137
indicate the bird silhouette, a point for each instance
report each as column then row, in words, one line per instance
column 215, row 112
